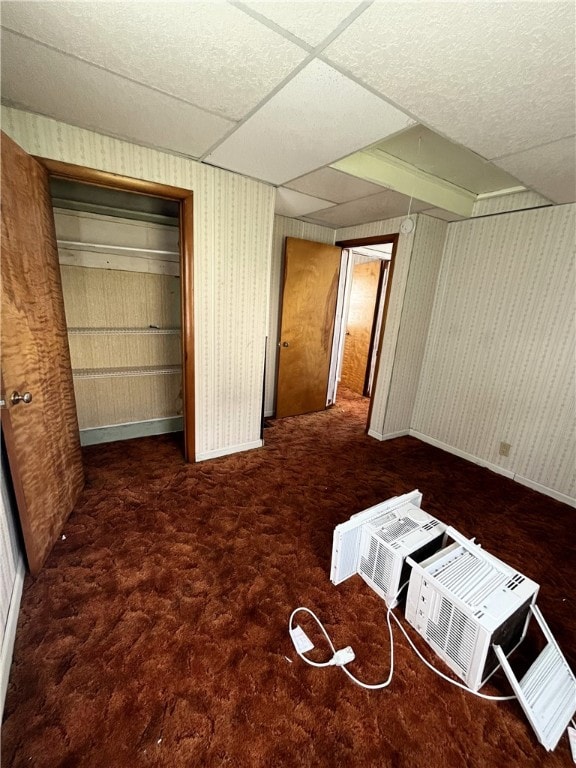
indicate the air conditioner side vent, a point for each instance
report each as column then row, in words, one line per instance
column 515, row 581
column 383, row 568
column 367, row 563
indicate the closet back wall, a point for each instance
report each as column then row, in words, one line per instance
column 120, row 280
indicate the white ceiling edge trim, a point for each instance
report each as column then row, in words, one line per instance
column 501, row 192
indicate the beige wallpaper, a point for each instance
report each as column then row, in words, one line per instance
column 499, row 365
column 401, row 268
column 97, row 298
column 126, row 399
column 283, row 228
column 233, row 219
column 514, row 202
column 415, row 321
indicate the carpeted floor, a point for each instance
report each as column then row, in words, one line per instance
column 156, row 634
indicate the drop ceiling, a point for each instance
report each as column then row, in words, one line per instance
column 355, row 111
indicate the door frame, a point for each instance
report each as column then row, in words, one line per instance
column 377, row 240
column 71, row 172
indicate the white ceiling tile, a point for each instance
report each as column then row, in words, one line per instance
column 209, row 53
column 318, row 116
column 550, row 169
column 384, row 205
column 292, row 203
column 42, row 80
column 496, row 77
column 334, row 185
column 310, row 21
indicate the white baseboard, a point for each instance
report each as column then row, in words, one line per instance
column 268, row 414
column 377, row 435
column 131, row 429
column 545, row 490
column 10, row 631
column 495, row 468
column 463, row 455
column 227, row 451
column 392, row 435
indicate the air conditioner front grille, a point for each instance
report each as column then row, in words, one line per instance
column 470, row 578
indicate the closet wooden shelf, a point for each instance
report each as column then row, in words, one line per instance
column 106, row 373
column 120, row 331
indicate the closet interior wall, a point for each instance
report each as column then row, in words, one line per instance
column 121, row 286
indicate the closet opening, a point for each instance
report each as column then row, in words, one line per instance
column 125, row 254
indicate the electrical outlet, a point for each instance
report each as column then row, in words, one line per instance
column 504, row 449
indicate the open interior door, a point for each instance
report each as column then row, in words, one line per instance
column 366, row 279
column 39, row 418
column 311, row 272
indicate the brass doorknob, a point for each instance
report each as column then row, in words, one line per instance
column 285, row 344
column 16, row 398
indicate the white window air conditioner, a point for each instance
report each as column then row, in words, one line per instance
column 376, row 542
column 463, row 601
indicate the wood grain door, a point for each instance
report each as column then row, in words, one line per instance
column 360, row 326
column 42, row 438
column 311, row 273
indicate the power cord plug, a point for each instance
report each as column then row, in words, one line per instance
column 343, row 656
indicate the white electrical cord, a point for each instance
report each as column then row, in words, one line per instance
column 340, row 658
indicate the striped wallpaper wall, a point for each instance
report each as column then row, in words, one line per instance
column 283, row 228
column 233, row 219
column 499, row 365
column 414, row 324
column 505, row 203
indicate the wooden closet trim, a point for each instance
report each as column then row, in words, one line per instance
column 98, row 178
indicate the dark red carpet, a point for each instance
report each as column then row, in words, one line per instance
column 156, row 635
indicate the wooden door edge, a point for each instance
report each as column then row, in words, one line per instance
column 382, row 330
column 187, row 322
column 382, row 272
